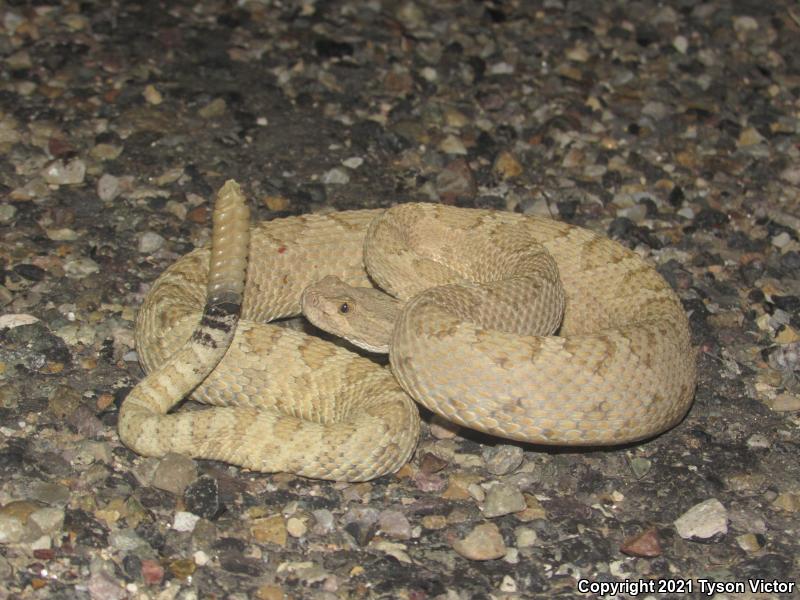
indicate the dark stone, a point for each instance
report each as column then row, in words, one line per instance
column 361, row 531
column 567, row 209
column 623, row 229
column 675, row 274
column 235, row 562
column 149, row 532
column 485, row 145
column 769, row 567
column 698, row 310
column 774, row 229
column 30, row 272
column 709, row 218
column 751, row 271
column 202, row 498
column 790, row 304
column 88, row 530
column 612, row 179
column 328, row 48
column 229, row 545
column 789, row 263
column 132, row 566
column 32, row 346
column 313, row 193
column 12, row 458
column 650, row 206
column 367, row 134
column 738, row 240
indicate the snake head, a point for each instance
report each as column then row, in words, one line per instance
column 363, row 316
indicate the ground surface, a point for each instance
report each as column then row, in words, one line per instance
column 670, row 126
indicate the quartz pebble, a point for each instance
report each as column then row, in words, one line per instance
column 502, row 499
column 502, row 459
column 149, row 242
column 484, row 542
column 703, row 521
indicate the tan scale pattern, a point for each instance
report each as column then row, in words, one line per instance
column 281, row 400
column 621, row 367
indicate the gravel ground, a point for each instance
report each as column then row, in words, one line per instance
column 673, row 127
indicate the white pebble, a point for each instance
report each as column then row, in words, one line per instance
column 353, row 162
column 59, row 173
column 703, row 521
column 108, row 187
column 149, row 242
column 185, row 521
column 336, row 176
column 781, row 240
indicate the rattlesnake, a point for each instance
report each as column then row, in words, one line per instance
column 621, row 367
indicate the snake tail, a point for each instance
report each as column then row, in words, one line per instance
column 142, row 415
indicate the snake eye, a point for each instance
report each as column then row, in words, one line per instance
column 344, row 308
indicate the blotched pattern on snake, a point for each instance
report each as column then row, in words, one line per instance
column 518, row 326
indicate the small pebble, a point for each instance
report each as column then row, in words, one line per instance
column 507, row 166
column 758, row 440
column 323, row 521
column 202, row 497
column 525, row 537
column 149, row 242
column 744, row 24
column 749, row 137
column 49, row 519
column 748, row 542
column 429, row 482
column 786, row 403
column 502, row 459
column 680, row 43
column 788, row 501
column 508, row 585
column 12, row 529
column 184, row 521
column 60, row 173
column 102, row 586
column 108, row 187
column 7, row 212
column 434, row 521
column 503, row 499
column 456, row 181
column 578, row 53
column 152, row 95
column 484, row 542
column 430, row 463
column 269, row 530
column 645, row 544
column 703, row 521
column 640, row 466
column 791, row 174
column 336, row 176
column 16, row 320
column 781, row 240
column 152, row 572
column 452, row 145
column 215, row 108
column 442, row 429
column 394, row 524
column 174, row 473
column 353, row 162
column 296, row 527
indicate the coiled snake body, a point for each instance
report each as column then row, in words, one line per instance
column 476, row 347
